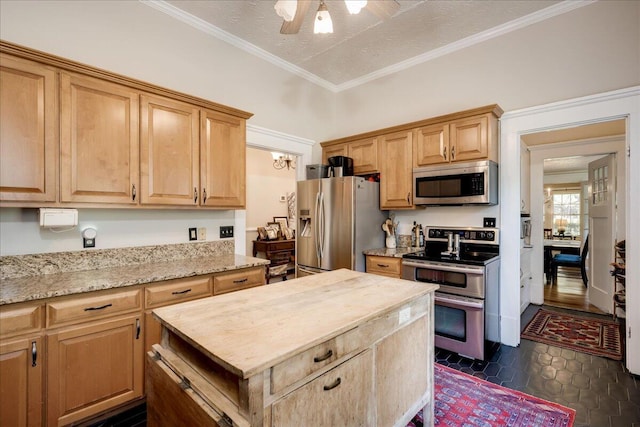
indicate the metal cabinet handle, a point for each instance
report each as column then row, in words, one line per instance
column 444, row 153
column 240, row 281
column 383, row 265
column 409, row 198
column 34, row 354
column 335, row 384
column 133, row 192
column 137, row 328
column 324, row 357
column 204, row 195
column 195, row 195
column 181, row 292
column 453, row 153
column 98, row 308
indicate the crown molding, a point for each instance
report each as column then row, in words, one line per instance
column 516, row 24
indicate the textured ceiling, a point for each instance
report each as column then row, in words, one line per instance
column 361, row 46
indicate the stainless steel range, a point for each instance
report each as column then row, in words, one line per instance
column 465, row 262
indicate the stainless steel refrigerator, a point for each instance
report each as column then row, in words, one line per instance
column 338, row 218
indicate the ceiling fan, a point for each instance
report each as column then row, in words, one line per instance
column 294, row 11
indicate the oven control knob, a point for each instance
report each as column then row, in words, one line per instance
column 481, row 235
column 490, row 235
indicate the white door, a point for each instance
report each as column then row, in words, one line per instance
column 602, row 205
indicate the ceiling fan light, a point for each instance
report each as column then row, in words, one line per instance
column 355, row 6
column 322, row 24
column 286, row 9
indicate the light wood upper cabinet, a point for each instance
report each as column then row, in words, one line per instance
column 169, row 152
column 469, row 139
column 431, row 144
column 99, row 141
column 334, row 150
column 222, row 160
column 28, row 131
column 396, row 170
column 364, row 153
column 466, row 139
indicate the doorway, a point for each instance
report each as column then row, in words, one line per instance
column 559, row 174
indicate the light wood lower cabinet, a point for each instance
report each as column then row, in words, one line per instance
column 384, row 266
column 21, row 381
column 93, row 367
column 238, row 280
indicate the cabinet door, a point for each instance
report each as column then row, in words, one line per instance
column 99, row 141
column 223, row 160
column 365, row 155
column 431, row 145
column 334, row 150
column 340, row 397
column 469, row 139
column 396, row 171
column 92, row 368
column 21, row 384
column 169, row 152
column 403, row 378
column 28, row 131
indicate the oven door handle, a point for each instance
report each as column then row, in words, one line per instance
column 443, row 267
column 460, row 302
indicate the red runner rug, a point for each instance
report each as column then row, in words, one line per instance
column 463, row 400
column 583, row 334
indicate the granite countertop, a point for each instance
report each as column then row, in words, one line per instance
column 394, row 253
column 35, row 287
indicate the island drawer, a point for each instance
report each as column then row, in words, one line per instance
column 386, row 266
column 96, row 306
column 237, row 280
column 19, row 319
column 175, row 291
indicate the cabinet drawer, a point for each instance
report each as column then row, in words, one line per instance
column 81, row 309
column 346, row 390
column 176, row 291
column 387, row 266
column 237, row 280
column 20, row 319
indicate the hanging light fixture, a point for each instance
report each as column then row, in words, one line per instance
column 286, row 9
column 322, row 24
column 280, row 161
column 355, row 6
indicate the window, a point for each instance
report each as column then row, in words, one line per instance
column 566, row 213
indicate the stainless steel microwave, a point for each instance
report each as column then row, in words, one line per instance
column 473, row 183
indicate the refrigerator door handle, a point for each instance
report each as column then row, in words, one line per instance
column 321, row 240
column 316, row 227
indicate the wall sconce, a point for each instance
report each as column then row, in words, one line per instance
column 280, row 161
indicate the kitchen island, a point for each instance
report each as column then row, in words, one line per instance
column 339, row 348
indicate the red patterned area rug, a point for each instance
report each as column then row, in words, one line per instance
column 465, row 401
column 583, row 334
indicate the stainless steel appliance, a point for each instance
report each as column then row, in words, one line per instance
column 467, row 305
column 338, row 218
column 474, row 183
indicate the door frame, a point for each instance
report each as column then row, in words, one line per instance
column 624, row 103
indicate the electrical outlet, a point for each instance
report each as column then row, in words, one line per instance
column 202, row 233
column 193, row 234
column 226, row 231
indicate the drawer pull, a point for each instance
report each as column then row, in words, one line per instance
column 383, row 265
column 335, row 384
column 323, row 358
column 133, row 192
column 240, row 281
column 34, row 354
column 137, row 328
column 181, row 292
column 102, row 307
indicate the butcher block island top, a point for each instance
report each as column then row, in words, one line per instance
column 338, row 348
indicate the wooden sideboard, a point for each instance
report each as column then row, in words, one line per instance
column 281, row 253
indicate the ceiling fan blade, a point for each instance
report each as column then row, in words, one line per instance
column 383, row 9
column 293, row 27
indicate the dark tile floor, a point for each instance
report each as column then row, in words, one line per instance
column 601, row 391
